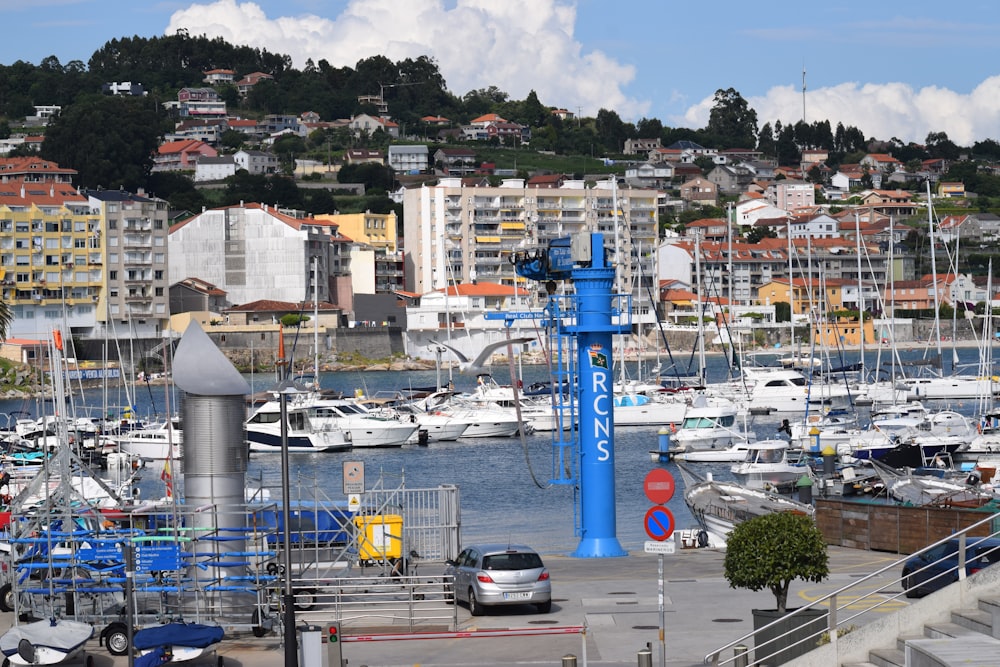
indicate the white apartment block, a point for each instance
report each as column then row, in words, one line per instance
column 255, row 252
column 455, row 234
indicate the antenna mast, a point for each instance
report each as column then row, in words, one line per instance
column 803, row 93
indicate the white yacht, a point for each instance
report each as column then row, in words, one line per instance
column 767, row 465
column 485, row 419
column 159, row 441
column 364, row 428
column 263, row 430
column 711, row 424
column 770, row 390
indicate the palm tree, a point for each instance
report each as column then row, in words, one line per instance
column 6, row 319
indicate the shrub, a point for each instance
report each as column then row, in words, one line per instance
column 772, row 550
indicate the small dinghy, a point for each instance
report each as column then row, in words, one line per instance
column 175, row 642
column 46, row 642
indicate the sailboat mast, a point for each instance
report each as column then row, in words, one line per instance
column 861, row 296
column 315, row 300
column 701, row 309
column 934, row 277
column 791, row 290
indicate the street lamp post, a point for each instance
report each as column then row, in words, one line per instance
column 285, row 389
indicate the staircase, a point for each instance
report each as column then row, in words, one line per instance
column 956, row 625
column 970, row 635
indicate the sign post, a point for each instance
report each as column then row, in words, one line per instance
column 659, row 523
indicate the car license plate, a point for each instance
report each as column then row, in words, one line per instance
column 517, row 596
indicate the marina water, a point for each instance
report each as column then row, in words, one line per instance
column 500, row 499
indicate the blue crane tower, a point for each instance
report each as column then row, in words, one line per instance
column 583, row 324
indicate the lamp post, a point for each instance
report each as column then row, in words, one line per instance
column 285, row 389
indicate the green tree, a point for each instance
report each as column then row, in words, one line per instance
column 758, row 232
column 765, row 140
column 940, row 146
column 319, row 201
column 611, row 131
column 786, row 150
column 533, row 113
column 177, row 189
column 374, row 176
column 782, row 311
column 232, row 139
column 109, row 140
column 732, row 120
column 649, row 128
column 772, row 550
column 293, row 319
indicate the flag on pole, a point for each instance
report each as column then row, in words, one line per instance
column 168, row 479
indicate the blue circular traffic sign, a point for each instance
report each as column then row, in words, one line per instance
column 659, row 523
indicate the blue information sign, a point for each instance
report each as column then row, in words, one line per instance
column 515, row 315
column 560, row 256
column 659, row 523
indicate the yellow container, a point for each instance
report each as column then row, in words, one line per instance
column 379, row 537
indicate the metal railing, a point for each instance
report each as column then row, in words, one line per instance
column 852, row 605
column 410, row 602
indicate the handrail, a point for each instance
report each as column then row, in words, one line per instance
column 829, row 601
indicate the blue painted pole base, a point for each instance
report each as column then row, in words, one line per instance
column 599, row 547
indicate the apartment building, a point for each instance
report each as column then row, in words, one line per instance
column 136, row 295
column 377, row 232
column 254, row 251
column 89, row 261
column 460, row 233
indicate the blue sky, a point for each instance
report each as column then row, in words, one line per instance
column 891, row 69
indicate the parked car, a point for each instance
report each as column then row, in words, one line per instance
column 938, row 567
column 489, row 575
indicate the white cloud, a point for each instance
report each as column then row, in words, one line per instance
column 881, row 111
column 516, row 45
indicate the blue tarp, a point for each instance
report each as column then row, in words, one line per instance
column 194, row 635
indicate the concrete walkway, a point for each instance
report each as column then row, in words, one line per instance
column 616, row 600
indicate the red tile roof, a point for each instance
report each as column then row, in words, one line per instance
column 484, row 289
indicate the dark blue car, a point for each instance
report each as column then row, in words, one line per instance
column 938, row 567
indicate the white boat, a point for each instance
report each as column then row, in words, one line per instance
column 46, row 642
column 766, row 465
column 263, row 430
column 818, row 432
column 931, row 490
column 439, row 427
column 363, row 428
column 484, row 419
column 718, row 507
column 636, row 409
column 161, row 441
column 635, row 404
column 731, row 454
column 710, row 424
column 766, row 390
column 952, row 387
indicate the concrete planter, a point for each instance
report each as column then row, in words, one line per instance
column 792, row 635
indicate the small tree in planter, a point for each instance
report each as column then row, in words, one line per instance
column 771, row 551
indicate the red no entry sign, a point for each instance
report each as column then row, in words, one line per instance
column 659, row 523
column 659, row 486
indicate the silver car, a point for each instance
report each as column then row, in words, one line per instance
column 500, row 574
